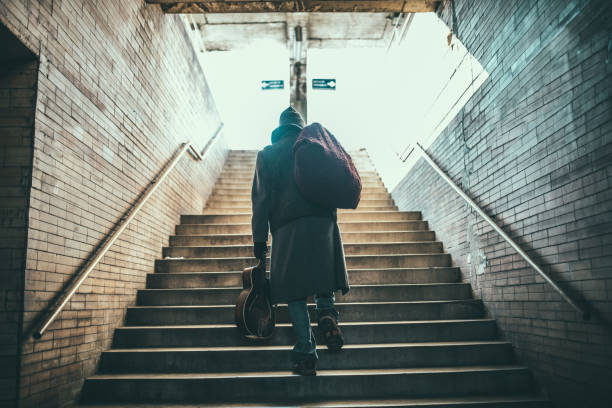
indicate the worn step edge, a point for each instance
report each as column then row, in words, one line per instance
column 254, row 385
column 346, row 236
column 322, row 373
column 272, row 358
column 473, row 401
column 288, row 325
column 366, row 248
column 349, row 312
column 410, row 291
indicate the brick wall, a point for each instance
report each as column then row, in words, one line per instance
column 533, row 146
column 119, row 87
column 18, row 77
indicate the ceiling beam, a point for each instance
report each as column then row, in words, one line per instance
column 288, row 6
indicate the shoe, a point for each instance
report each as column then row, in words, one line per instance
column 305, row 367
column 330, row 332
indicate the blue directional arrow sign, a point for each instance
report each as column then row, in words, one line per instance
column 276, row 84
column 324, row 84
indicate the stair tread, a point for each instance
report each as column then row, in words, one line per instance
column 250, row 257
column 349, row 270
column 361, row 403
column 320, row 373
column 382, row 285
column 319, row 347
column 348, row 212
column 312, row 304
column 345, row 243
column 249, row 235
column 339, row 222
column 370, row 323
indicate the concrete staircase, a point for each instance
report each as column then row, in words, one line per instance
column 414, row 334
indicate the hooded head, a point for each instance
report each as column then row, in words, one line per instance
column 290, row 123
column 291, row 117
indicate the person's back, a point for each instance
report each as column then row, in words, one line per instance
column 286, row 202
column 307, row 256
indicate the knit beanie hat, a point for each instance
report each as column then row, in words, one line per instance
column 291, row 117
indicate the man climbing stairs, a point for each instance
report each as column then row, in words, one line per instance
column 414, row 334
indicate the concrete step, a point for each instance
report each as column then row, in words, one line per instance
column 247, row 182
column 352, row 262
column 357, row 226
column 241, row 179
column 276, row 358
column 250, row 157
column 247, row 173
column 363, row 166
column 247, row 196
column 219, row 335
column 241, row 210
column 347, row 238
column 215, row 201
column 246, row 189
column 342, row 217
column 231, row 158
column 239, row 158
column 363, row 204
column 356, row 277
column 233, row 251
column 472, row 401
column 349, row 312
column 360, row 164
column 337, row 384
column 358, row 293
column 240, row 165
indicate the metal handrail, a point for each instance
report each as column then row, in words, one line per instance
column 585, row 313
column 80, row 277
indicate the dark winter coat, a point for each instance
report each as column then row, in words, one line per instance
column 307, row 255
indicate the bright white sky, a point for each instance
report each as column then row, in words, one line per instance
column 384, row 101
column 249, row 113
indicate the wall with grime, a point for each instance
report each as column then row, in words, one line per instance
column 119, row 88
column 533, row 146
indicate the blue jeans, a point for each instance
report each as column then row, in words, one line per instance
column 305, row 344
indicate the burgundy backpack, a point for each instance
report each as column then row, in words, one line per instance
column 323, row 171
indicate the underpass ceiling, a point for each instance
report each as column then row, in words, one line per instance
column 225, row 32
column 287, row 6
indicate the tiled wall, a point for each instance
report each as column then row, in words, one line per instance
column 533, row 146
column 119, row 88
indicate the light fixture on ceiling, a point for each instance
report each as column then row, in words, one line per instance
column 297, row 43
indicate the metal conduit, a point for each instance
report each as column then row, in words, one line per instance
column 583, row 311
column 82, row 275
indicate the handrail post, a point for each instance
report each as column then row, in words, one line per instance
column 61, row 302
column 585, row 313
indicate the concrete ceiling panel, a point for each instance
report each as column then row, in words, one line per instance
column 288, row 6
column 224, row 32
column 225, row 37
column 347, row 26
column 232, row 18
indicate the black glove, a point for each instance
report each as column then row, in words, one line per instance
column 260, row 249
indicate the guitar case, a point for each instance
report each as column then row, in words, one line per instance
column 254, row 312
